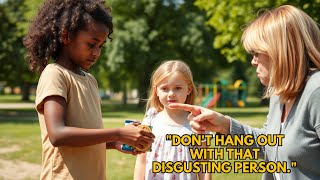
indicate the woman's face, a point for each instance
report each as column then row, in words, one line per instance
column 262, row 64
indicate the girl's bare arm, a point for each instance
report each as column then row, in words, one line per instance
column 62, row 135
column 140, row 168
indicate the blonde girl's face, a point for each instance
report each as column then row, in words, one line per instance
column 262, row 64
column 173, row 89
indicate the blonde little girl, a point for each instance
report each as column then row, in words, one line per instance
column 171, row 82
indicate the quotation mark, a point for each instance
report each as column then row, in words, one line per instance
column 169, row 137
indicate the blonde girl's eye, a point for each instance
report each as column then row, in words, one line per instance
column 178, row 88
column 163, row 89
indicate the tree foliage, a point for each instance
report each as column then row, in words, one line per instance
column 229, row 17
column 13, row 66
column 150, row 31
column 11, row 55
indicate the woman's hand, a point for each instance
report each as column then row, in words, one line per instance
column 203, row 119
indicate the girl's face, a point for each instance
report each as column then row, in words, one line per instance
column 84, row 47
column 262, row 64
column 173, row 89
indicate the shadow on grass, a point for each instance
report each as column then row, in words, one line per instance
column 26, row 116
column 19, row 116
column 116, row 110
column 18, row 121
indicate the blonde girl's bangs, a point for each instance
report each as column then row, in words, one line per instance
column 162, row 76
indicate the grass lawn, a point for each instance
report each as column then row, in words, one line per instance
column 20, row 128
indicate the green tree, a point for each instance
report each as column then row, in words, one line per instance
column 13, row 67
column 229, row 17
column 150, row 31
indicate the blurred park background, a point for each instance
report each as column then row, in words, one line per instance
column 204, row 33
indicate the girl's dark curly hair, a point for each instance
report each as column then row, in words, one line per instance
column 43, row 41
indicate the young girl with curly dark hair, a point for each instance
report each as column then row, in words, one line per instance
column 71, row 33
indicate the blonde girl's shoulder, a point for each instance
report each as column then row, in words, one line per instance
column 150, row 114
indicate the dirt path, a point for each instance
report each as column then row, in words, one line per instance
column 17, row 170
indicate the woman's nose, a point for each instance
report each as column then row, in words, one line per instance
column 254, row 61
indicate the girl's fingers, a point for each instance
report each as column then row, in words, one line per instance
column 139, row 145
column 147, row 139
column 136, row 123
column 143, row 145
column 147, row 134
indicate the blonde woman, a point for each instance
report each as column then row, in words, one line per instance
column 171, row 82
column 285, row 44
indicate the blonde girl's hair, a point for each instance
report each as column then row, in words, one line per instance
column 291, row 40
column 166, row 69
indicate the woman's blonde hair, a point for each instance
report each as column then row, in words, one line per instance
column 166, row 69
column 291, row 40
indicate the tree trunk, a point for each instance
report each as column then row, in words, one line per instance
column 12, row 90
column 25, row 91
